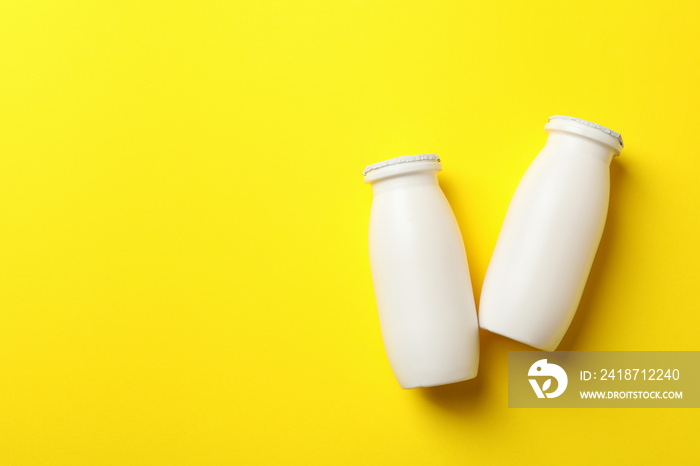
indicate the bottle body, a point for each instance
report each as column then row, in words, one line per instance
column 549, row 238
column 421, row 279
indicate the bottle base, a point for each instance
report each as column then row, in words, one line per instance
column 518, row 338
column 438, row 381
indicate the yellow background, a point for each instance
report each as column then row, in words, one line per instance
column 183, row 264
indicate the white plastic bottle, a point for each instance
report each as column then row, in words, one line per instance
column 421, row 279
column 550, row 235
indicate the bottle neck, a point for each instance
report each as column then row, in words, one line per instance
column 560, row 141
column 411, row 179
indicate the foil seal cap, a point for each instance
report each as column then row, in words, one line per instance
column 590, row 124
column 398, row 160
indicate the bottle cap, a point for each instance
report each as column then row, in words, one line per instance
column 398, row 160
column 588, row 129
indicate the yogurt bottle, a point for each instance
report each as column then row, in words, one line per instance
column 550, row 235
column 420, row 274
